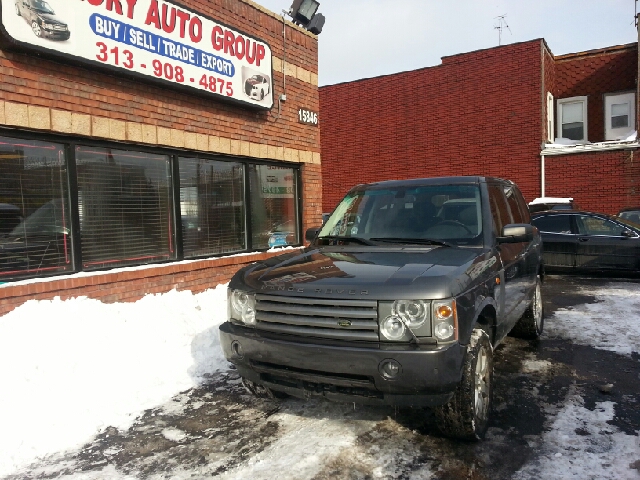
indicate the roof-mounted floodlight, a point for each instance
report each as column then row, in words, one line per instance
column 303, row 12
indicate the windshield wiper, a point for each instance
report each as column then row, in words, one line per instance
column 347, row 239
column 419, row 241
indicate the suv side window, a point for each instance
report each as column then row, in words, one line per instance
column 514, row 205
column 553, row 223
column 499, row 207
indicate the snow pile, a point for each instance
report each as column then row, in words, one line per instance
column 581, row 444
column 70, row 369
column 610, row 324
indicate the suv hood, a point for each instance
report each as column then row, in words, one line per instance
column 383, row 273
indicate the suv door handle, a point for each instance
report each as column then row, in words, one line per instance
column 583, row 239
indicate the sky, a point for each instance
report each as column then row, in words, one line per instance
column 73, row 368
column 368, row 38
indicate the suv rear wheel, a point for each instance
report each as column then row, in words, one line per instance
column 466, row 416
column 531, row 323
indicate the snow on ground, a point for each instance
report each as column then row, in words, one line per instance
column 582, row 445
column 610, row 324
column 72, row 368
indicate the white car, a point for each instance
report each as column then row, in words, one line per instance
column 257, row 87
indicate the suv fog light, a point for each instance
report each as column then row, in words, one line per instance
column 393, row 328
column 444, row 330
column 389, row 369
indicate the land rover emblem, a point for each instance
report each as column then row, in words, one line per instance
column 344, row 323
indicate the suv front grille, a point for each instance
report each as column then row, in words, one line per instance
column 324, row 318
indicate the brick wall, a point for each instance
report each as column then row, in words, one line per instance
column 129, row 285
column 593, row 74
column 602, row 182
column 476, row 114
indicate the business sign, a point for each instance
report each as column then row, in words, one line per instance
column 157, row 39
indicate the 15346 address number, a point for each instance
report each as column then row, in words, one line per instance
column 307, row 117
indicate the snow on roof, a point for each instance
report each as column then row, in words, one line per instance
column 542, row 200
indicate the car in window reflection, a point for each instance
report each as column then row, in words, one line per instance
column 39, row 242
column 630, row 214
column 588, row 242
column 282, row 234
column 42, row 19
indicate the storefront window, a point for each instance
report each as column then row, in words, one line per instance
column 125, row 205
column 35, row 231
column 273, row 206
column 212, row 207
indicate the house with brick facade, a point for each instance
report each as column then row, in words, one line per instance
column 559, row 126
column 148, row 146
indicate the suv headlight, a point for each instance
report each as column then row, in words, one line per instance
column 403, row 320
column 241, row 306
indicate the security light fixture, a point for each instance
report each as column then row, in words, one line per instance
column 303, row 12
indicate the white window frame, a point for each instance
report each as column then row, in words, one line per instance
column 609, row 99
column 551, row 127
column 561, row 103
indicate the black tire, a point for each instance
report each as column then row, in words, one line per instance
column 18, row 10
column 531, row 323
column 466, row 416
column 261, row 94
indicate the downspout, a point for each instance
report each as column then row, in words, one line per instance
column 542, row 189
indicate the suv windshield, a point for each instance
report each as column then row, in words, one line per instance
column 42, row 6
column 441, row 213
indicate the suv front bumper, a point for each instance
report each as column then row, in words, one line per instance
column 344, row 372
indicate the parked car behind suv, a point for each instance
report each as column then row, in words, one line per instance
column 632, row 214
column 396, row 301
column 588, row 242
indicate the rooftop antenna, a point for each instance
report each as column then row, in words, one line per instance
column 502, row 23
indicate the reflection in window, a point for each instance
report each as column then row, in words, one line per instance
column 34, row 209
column 273, row 206
column 212, row 207
column 125, row 204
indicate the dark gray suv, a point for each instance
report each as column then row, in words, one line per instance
column 400, row 299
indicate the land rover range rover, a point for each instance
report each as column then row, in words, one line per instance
column 400, row 299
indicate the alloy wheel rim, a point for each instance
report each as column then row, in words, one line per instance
column 482, row 385
column 36, row 29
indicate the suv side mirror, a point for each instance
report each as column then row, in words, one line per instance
column 628, row 234
column 311, row 234
column 516, row 233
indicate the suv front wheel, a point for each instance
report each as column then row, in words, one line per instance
column 466, row 416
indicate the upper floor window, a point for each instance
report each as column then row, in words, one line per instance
column 572, row 119
column 619, row 115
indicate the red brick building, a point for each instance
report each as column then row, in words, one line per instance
column 150, row 135
column 493, row 112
